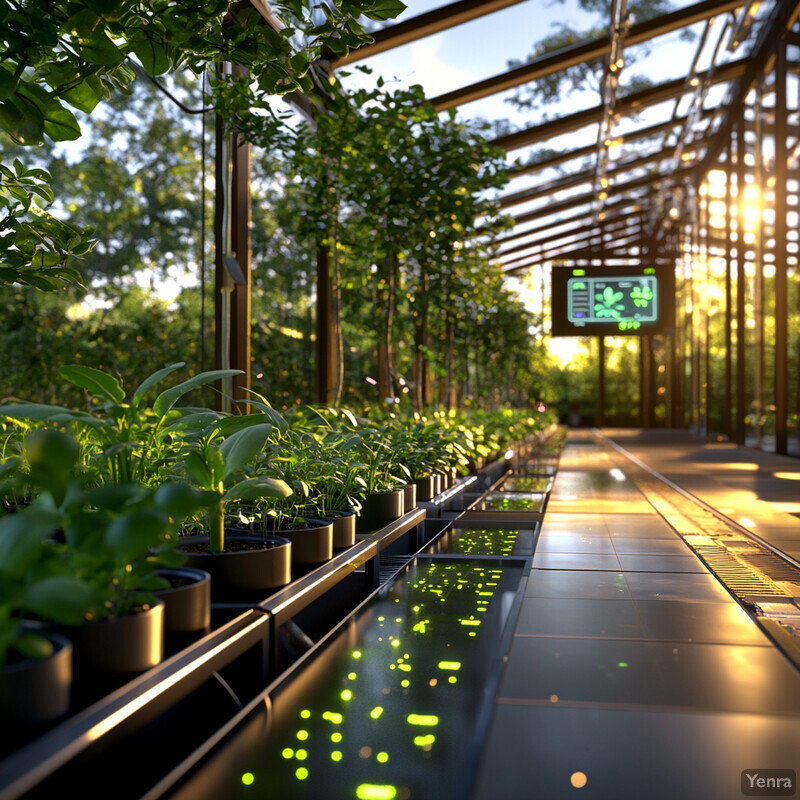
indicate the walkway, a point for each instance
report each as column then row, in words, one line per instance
column 634, row 673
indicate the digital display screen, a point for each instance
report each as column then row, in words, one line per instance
column 606, row 301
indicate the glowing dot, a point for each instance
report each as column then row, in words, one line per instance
column 452, row 665
column 287, row 752
column 404, row 667
column 553, row 698
column 302, row 735
column 381, row 619
column 422, row 719
column 382, row 757
column 424, row 741
column 578, row 780
column 356, row 654
column 396, row 643
column 351, row 676
column 336, row 755
column 622, row 664
column 305, row 713
column 376, row 712
column 472, row 633
column 365, row 751
column 346, row 695
column 452, row 679
column 470, row 622
column 404, row 684
column 301, row 755
column 248, row 778
column 373, row 791
column 301, row 773
column 332, row 716
column 432, row 682
column 336, row 737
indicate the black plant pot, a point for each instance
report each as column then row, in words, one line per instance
column 36, row 691
column 426, row 488
column 187, row 603
column 312, row 542
column 380, row 509
column 120, row 646
column 252, row 562
column 344, row 529
column 409, row 497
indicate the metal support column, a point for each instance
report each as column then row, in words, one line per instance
column 741, row 410
column 781, row 254
column 600, row 413
column 728, row 429
column 326, row 333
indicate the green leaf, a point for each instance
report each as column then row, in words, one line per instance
column 132, row 535
column 256, row 488
column 167, row 399
column 384, row 9
column 8, row 83
column 21, row 537
column 180, row 500
column 244, row 446
column 94, row 381
column 152, row 53
column 149, row 382
column 61, row 598
column 24, row 123
column 32, row 645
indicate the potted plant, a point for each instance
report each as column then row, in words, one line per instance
column 238, row 562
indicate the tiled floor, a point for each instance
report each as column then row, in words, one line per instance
column 633, row 672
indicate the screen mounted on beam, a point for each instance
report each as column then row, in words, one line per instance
column 612, row 301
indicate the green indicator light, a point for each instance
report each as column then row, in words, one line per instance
column 579, row 272
column 374, row 791
column 482, row 609
column 470, row 622
column 452, row 679
column 302, row 735
column 305, row 713
column 649, row 271
column 453, row 665
column 472, row 633
column 346, row 695
column 301, row 773
column 376, row 712
column 301, row 755
column 287, row 752
column 405, row 684
column 404, row 667
column 622, row 664
column 396, row 643
column 336, row 755
column 382, row 757
column 332, row 716
column 336, row 737
column 356, row 654
column 351, row 676
column 485, row 594
column 381, row 619
column 422, row 719
column 248, row 778
column 415, row 609
column 424, row 741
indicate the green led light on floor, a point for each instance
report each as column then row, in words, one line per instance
column 422, row 719
column 301, row 755
column 248, row 778
column 470, row 622
column 404, row 667
column 372, row 791
column 622, row 664
column 336, row 737
column 351, row 676
column 346, row 695
column 382, row 757
column 287, row 752
column 452, row 665
column 301, row 773
column 405, row 684
column 376, row 712
column 452, row 679
column 305, row 713
column 332, row 716
column 336, row 755
column 356, row 654
column 424, row 741
column 302, row 735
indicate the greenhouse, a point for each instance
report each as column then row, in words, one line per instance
column 401, row 401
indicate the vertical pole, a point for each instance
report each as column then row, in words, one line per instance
column 222, row 279
column 781, row 254
column 741, row 410
column 728, row 295
column 326, row 339
column 240, row 248
column 601, row 381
